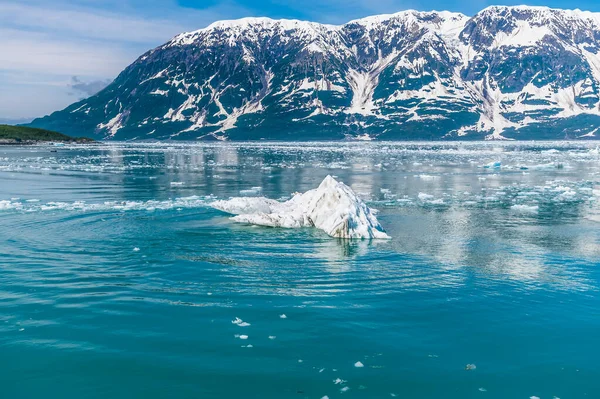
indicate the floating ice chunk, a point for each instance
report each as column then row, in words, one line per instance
column 534, row 397
column 325, row 397
column 344, row 389
column 252, row 191
column 177, row 183
column 525, row 208
column 282, row 316
column 493, row 165
column 338, row 381
column 243, row 337
column 136, row 249
column 272, row 337
column 332, row 207
column 240, row 322
column 425, row 197
column 470, row 367
column 359, row 364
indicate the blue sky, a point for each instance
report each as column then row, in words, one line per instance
column 53, row 53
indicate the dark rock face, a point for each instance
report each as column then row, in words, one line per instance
column 512, row 72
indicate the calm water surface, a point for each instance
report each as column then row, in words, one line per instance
column 117, row 279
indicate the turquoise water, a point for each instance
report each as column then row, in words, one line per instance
column 118, row 280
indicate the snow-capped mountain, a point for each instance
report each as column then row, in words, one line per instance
column 508, row 72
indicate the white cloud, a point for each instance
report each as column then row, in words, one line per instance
column 44, row 43
column 89, row 23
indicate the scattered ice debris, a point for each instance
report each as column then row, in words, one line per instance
column 240, row 322
column 359, row 364
column 136, row 249
column 339, row 381
column 470, row 367
column 282, row 316
column 332, row 207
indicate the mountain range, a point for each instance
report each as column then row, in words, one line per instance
column 505, row 73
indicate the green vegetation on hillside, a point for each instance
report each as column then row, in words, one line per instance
column 19, row 134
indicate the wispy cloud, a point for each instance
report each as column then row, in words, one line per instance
column 88, row 88
column 44, row 44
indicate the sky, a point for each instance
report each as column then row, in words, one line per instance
column 55, row 52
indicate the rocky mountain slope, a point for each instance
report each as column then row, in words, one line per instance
column 507, row 72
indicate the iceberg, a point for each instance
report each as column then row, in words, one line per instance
column 332, row 207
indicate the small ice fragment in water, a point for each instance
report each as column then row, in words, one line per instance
column 393, row 395
column 332, row 207
column 250, row 346
column 240, row 322
column 21, row 329
column 272, row 337
column 136, row 249
column 320, row 371
column 525, row 208
column 282, row 316
column 243, row 337
column 482, row 390
column 338, row 381
column 359, row 364
column 325, row 397
column 425, row 197
column 534, row 397
column 470, row 367
column 493, row 165
column 344, row 389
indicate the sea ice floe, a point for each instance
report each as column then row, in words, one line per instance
column 243, row 337
column 282, row 316
column 332, row 207
column 359, row 364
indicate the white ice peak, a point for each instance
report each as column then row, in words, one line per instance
column 332, row 207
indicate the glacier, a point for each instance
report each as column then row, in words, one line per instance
column 332, row 207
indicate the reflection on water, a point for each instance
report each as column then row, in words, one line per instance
column 111, row 255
